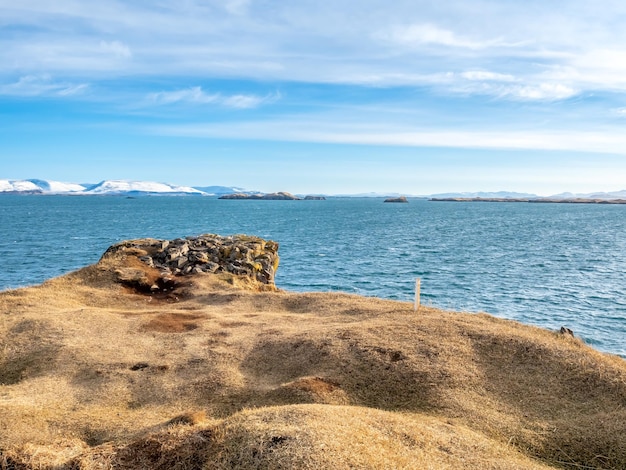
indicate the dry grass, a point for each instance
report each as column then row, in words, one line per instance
column 217, row 374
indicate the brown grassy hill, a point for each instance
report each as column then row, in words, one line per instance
column 217, row 374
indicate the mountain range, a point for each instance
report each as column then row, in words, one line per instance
column 140, row 188
column 108, row 187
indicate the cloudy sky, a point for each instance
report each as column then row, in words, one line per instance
column 343, row 96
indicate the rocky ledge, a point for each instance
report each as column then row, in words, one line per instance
column 163, row 260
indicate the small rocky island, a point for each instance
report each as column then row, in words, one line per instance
column 280, row 196
column 401, row 199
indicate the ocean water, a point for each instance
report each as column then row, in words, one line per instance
column 549, row 265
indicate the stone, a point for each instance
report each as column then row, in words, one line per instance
column 147, row 260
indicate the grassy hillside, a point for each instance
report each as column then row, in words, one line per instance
column 218, row 374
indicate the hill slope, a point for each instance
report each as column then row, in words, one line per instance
column 217, row 374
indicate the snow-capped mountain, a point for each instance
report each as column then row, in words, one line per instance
column 107, row 187
column 220, row 190
column 36, row 186
column 140, row 187
column 57, row 187
column 21, row 186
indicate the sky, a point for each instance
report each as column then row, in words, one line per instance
column 410, row 96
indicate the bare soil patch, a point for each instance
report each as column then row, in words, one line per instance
column 173, row 323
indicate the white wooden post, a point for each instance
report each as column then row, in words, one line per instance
column 418, row 282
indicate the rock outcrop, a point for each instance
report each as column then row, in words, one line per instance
column 240, row 255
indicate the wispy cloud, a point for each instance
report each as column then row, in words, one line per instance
column 189, row 95
column 385, row 135
column 482, row 75
column 195, row 95
column 510, row 87
column 116, row 48
column 541, row 92
column 41, row 85
column 291, row 41
column 430, row 34
column 237, row 7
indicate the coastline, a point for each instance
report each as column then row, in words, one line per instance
column 531, row 200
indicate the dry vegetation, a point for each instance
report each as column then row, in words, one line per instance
column 217, row 375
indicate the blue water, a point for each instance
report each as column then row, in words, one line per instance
column 550, row 265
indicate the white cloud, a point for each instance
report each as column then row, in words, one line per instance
column 237, row 7
column 418, row 34
column 243, row 101
column 116, row 48
column 481, row 75
column 189, row 95
column 328, row 131
column 595, row 69
column 196, row 95
column 41, row 85
column 490, row 49
column 511, row 88
column 72, row 90
column 541, row 92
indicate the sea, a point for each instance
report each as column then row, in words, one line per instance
column 548, row 265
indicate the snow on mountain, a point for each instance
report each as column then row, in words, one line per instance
column 220, row 190
column 19, row 186
column 57, row 187
column 37, row 186
column 140, row 187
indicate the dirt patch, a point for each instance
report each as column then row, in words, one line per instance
column 173, row 323
column 315, row 385
column 311, row 389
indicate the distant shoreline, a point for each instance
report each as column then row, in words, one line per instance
column 538, row 200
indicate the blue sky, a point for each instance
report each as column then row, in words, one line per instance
column 415, row 97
